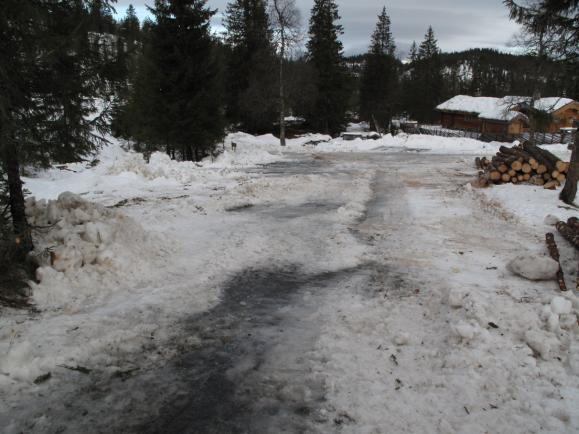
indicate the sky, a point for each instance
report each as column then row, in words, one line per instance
column 457, row 24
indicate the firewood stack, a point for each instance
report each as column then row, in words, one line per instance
column 522, row 163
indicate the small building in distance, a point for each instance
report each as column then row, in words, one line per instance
column 505, row 115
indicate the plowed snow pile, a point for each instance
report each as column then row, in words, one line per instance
column 86, row 250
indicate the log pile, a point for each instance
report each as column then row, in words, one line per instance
column 522, row 163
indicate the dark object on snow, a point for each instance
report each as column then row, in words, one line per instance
column 352, row 136
column 80, row 369
column 568, row 233
column 573, row 223
column 554, row 252
column 43, row 378
column 125, row 375
column 314, row 142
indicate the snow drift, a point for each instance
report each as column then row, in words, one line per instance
column 86, row 250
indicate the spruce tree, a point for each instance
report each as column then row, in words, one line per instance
column 427, row 81
column 184, row 79
column 325, row 52
column 251, row 80
column 48, row 88
column 137, row 120
column 379, row 76
column 128, row 52
column 130, row 28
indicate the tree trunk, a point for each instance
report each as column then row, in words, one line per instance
column 570, row 190
column 17, row 207
column 282, row 92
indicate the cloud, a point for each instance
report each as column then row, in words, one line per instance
column 458, row 25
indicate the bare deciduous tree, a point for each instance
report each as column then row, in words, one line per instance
column 285, row 19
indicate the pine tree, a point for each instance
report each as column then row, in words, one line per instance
column 379, row 76
column 251, row 81
column 182, row 79
column 427, row 82
column 325, row 53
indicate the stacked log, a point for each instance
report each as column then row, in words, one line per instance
column 522, row 163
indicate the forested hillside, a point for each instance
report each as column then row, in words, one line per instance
column 492, row 73
column 484, row 72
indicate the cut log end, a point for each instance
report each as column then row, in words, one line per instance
column 562, row 166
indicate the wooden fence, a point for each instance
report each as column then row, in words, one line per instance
column 540, row 138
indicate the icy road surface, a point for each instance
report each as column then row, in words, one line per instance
column 350, row 293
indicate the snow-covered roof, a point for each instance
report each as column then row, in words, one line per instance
column 552, row 104
column 502, row 109
column 482, row 106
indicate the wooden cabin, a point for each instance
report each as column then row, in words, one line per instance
column 564, row 113
column 504, row 115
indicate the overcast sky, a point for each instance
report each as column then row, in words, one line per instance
column 458, row 24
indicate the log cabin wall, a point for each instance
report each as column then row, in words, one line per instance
column 461, row 121
column 447, row 120
column 565, row 117
column 517, row 126
column 495, row 127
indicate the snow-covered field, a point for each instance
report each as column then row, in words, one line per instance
column 438, row 337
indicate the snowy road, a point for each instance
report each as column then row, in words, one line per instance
column 355, row 293
column 260, row 368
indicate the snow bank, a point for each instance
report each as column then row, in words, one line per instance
column 160, row 165
column 264, row 149
column 86, row 251
column 442, row 145
column 406, row 143
column 530, row 204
